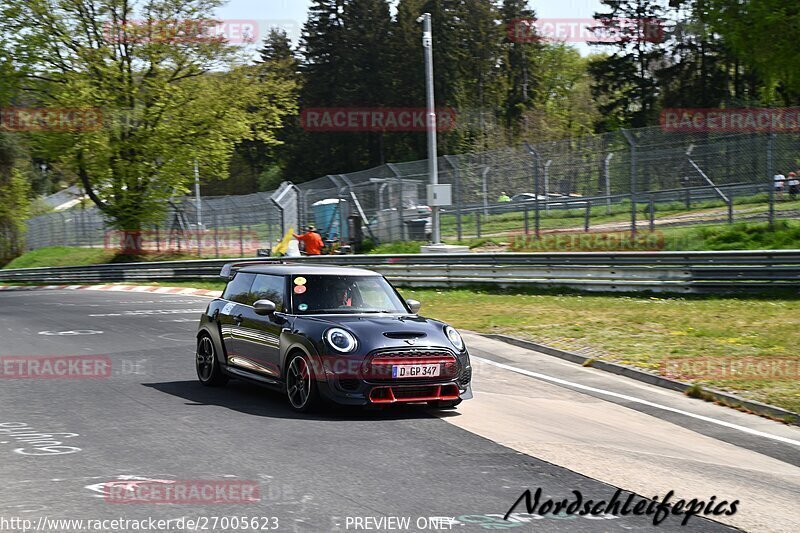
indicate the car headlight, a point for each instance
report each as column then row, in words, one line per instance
column 341, row 340
column 454, row 337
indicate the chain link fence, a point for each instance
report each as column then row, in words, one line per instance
column 621, row 180
column 227, row 225
column 630, row 179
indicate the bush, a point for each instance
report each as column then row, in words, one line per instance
column 15, row 193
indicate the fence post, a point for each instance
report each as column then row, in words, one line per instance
column 65, row 228
column 241, row 240
column 632, row 143
column 688, row 196
column 536, row 162
column 82, row 226
column 547, row 185
column 401, row 209
column 478, row 223
column 652, row 211
column 607, row 174
column 458, row 202
column 730, row 210
column 216, row 236
column 588, row 215
column 398, row 176
column 485, row 180
column 457, row 179
column 770, row 176
column 527, row 228
column 199, row 241
column 158, row 239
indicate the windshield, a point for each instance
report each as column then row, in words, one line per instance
column 344, row 294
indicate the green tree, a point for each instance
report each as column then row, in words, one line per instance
column 476, row 43
column 15, row 193
column 695, row 72
column 467, row 53
column 258, row 164
column 625, row 78
column 763, row 34
column 345, row 64
column 522, row 52
column 163, row 87
column 562, row 104
column 407, row 82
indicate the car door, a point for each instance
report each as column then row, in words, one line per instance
column 237, row 294
column 259, row 335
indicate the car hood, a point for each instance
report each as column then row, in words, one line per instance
column 387, row 331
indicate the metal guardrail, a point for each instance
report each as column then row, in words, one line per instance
column 673, row 272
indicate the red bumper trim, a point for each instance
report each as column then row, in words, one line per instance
column 414, row 394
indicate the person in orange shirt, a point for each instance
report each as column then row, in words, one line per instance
column 312, row 241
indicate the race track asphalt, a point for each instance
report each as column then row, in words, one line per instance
column 151, row 420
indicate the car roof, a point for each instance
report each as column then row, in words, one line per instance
column 296, row 269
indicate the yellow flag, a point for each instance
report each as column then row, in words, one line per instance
column 281, row 247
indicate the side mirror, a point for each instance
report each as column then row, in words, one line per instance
column 264, row 307
column 414, row 306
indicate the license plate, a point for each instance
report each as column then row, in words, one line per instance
column 415, row 371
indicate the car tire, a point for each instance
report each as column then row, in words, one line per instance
column 445, row 404
column 208, row 370
column 300, row 383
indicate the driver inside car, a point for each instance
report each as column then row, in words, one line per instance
column 333, row 296
column 341, row 295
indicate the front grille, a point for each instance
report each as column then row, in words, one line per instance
column 378, row 366
column 466, row 378
column 413, row 353
column 402, row 393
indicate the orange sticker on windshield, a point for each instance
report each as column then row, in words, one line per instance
column 300, row 289
column 300, row 281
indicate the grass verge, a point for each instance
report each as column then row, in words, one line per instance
column 56, row 256
column 61, row 256
column 785, row 234
column 641, row 331
column 511, row 222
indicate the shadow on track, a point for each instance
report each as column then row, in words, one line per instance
column 254, row 400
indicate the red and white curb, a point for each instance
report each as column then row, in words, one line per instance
column 183, row 291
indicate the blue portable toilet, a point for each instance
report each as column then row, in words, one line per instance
column 327, row 216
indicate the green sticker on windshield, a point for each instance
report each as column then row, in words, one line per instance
column 303, row 307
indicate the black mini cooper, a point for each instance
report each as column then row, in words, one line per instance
column 339, row 334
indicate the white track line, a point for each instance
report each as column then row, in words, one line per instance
column 559, row 381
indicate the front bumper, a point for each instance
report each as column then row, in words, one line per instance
column 369, row 389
